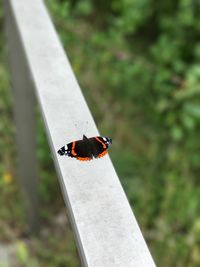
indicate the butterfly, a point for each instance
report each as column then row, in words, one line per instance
column 87, row 148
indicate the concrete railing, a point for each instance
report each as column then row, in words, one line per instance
column 105, row 229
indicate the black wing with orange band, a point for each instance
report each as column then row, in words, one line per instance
column 79, row 150
column 99, row 146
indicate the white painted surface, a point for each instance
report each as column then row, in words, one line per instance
column 105, row 228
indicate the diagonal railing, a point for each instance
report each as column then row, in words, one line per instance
column 105, row 229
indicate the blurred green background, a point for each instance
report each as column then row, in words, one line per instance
column 138, row 64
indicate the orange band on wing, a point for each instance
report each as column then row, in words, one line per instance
column 83, row 159
column 73, row 146
column 104, row 146
column 102, row 154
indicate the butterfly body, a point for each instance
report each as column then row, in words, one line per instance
column 87, row 148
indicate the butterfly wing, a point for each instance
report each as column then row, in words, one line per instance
column 77, row 149
column 99, row 146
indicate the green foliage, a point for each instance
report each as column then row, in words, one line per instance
column 138, row 62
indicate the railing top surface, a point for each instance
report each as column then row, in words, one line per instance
column 105, row 228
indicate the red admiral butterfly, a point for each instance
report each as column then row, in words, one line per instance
column 87, row 148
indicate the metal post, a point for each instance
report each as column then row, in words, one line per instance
column 24, row 117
